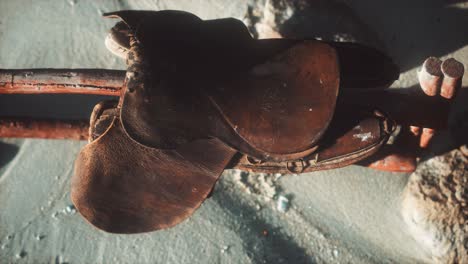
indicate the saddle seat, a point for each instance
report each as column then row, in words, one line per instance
column 273, row 99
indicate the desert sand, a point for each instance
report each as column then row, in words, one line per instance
column 348, row 215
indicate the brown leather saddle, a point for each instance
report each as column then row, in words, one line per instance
column 203, row 96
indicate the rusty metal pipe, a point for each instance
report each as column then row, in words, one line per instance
column 61, row 81
column 43, row 128
column 453, row 72
column 430, row 76
column 399, row 103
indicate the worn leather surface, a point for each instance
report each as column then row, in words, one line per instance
column 283, row 106
column 277, row 101
column 121, row 186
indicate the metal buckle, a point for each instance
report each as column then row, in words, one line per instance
column 290, row 167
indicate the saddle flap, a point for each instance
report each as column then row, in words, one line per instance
column 283, row 106
column 121, row 186
column 351, row 137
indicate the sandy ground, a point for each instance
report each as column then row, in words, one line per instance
column 349, row 215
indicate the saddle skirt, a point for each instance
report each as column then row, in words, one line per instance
column 203, row 96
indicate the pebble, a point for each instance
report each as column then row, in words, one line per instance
column 282, row 204
column 224, row 249
column 70, row 209
column 278, row 176
column 21, row 254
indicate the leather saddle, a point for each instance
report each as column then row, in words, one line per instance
column 202, row 96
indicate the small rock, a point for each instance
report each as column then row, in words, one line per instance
column 335, row 253
column 70, row 209
column 39, row 237
column 59, row 259
column 21, row 254
column 435, row 207
column 282, row 204
column 278, row 176
column 224, row 249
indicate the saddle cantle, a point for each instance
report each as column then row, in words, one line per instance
column 202, row 96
